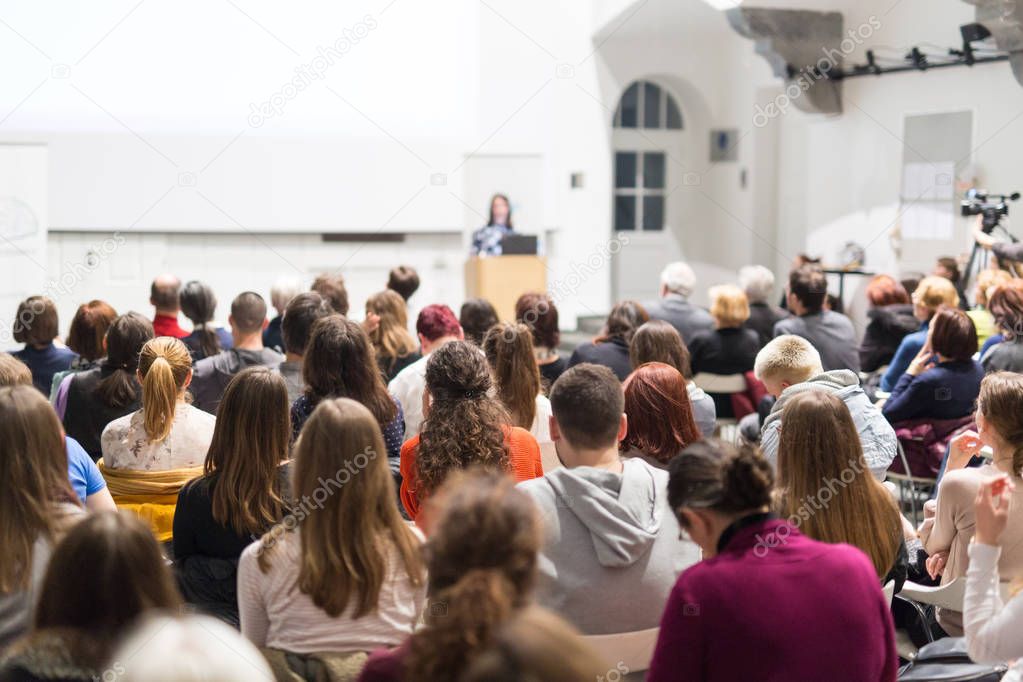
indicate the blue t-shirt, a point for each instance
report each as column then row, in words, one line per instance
column 908, row 349
column 82, row 471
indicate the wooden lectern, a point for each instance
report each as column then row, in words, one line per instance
column 502, row 279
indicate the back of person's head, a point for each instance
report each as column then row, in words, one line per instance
column 826, row 488
column 332, row 288
column 391, row 338
column 166, row 367
column 810, row 287
column 588, row 404
column 199, row 305
column 248, row 312
column 717, row 476
column 758, row 283
column 953, row 334
column 678, row 278
column 947, row 267
column 660, row 416
column 250, row 440
column 539, row 646
column 404, row 280
column 33, row 467
column 88, row 327
column 476, row 317
column 1000, row 405
column 659, row 341
column 623, row 321
column 987, row 280
column 884, row 290
column 935, row 292
column 728, row 306
column 537, row 311
column 481, row 560
column 35, row 323
column 300, row 314
column 787, row 358
column 126, row 576
column 126, row 336
column 436, row 321
column 163, row 292
column 910, row 281
column 464, row 425
column 339, row 362
column 14, row 372
column 349, row 520
column 1006, row 306
column 190, row 648
column 509, row 350
column 283, row 290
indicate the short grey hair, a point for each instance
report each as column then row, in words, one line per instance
column 758, row 283
column 283, row 290
column 678, row 278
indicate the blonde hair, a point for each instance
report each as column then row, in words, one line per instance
column 788, row 357
column 728, row 305
column 165, row 365
column 1001, row 403
column 934, row 292
column 391, row 339
column 987, row 280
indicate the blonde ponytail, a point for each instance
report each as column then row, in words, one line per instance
column 164, row 364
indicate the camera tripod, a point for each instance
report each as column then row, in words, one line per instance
column 979, row 257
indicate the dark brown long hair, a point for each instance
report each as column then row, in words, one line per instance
column 250, row 441
column 509, row 350
column 88, row 327
column 125, row 338
column 481, row 560
column 623, row 321
column 660, row 415
column 199, row 304
column 340, row 362
column 658, row 341
column 464, row 425
column 346, row 539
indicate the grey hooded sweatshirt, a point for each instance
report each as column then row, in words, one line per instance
column 877, row 437
column 611, row 549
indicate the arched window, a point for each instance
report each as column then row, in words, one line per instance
column 647, row 105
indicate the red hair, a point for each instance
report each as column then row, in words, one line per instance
column 436, row 321
column 660, row 415
column 884, row 290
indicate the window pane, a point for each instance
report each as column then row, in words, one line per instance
column 629, row 107
column 625, row 213
column 651, row 106
column 653, row 213
column 674, row 115
column 653, row 170
column 625, row 169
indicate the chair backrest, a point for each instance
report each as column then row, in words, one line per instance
column 629, row 650
column 549, row 457
column 720, row 383
column 889, row 591
column 948, row 596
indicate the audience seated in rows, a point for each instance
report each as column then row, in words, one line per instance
column 658, row 341
column 538, row 312
column 476, row 317
column 890, row 320
column 85, row 338
column 729, row 348
column 1006, row 305
column 35, row 325
column 789, row 366
column 660, row 416
column 281, row 294
column 199, row 305
column 300, row 315
column 509, row 351
column 611, row 347
column 758, row 284
column 932, row 294
column 465, row 425
column 677, row 284
column 395, row 348
column 766, row 602
column 830, row 332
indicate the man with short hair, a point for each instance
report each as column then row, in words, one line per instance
column 831, row 333
column 163, row 295
column 611, row 550
column 298, row 318
column 332, row 288
column 435, row 326
column 403, row 279
column 212, row 375
column 677, row 283
column 788, row 366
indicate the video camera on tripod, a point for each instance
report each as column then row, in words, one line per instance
column 991, row 206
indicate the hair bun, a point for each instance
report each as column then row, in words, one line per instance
column 747, row 479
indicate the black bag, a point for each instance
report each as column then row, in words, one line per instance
column 946, row 660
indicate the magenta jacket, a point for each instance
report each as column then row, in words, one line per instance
column 776, row 605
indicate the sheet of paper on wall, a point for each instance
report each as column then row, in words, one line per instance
column 927, row 221
column 928, row 181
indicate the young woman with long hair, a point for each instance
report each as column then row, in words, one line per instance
column 509, row 351
column 241, row 494
column 81, row 615
column 100, row 395
column 37, row 504
column 611, row 348
column 339, row 363
column 395, row 348
column 199, row 304
column 661, row 422
column 85, row 337
column 342, row 572
column 537, row 311
column 826, row 489
column 481, row 560
column 464, row 426
column 167, row 433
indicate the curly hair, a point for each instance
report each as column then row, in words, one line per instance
column 465, row 424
